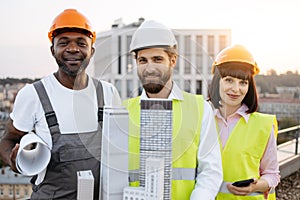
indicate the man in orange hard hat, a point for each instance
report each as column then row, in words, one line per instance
column 65, row 110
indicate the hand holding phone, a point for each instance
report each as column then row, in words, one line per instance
column 243, row 183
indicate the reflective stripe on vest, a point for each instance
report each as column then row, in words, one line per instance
column 177, row 174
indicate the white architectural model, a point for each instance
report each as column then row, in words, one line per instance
column 85, row 185
column 114, row 160
column 153, row 189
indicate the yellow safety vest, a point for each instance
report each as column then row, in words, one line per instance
column 187, row 121
column 243, row 151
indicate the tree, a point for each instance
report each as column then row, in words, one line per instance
column 271, row 72
column 289, row 72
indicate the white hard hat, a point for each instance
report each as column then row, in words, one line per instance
column 151, row 34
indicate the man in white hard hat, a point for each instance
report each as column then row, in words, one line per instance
column 197, row 171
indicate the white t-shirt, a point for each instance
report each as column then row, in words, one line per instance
column 76, row 110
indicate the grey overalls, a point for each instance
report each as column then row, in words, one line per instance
column 70, row 153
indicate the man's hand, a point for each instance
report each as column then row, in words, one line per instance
column 9, row 144
column 13, row 156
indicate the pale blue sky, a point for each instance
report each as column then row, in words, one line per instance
column 269, row 28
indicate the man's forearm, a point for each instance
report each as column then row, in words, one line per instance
column 10, row 138
column 5, row 150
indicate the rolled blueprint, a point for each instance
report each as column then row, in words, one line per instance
column 33, row 155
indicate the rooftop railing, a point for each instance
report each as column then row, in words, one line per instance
column 292, row 129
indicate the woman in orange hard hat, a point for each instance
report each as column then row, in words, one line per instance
column 247, row 138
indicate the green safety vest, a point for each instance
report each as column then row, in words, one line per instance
column 187, row 121
column 243, row 151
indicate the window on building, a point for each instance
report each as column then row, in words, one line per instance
column 128, row 55
column 210, row 50
column 222, row 42
column 118, row 86
column 210, row 46
column 176, row 69
column 187, row 85
column 198, row 87
column 199, row 52
column 119, row 55
column 129, row 88
column 187, row 54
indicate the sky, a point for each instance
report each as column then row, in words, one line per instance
column 268, row 28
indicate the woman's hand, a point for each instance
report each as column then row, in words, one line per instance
column 242, row 191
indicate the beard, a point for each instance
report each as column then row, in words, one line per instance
column 154, row 86
column 70, row 72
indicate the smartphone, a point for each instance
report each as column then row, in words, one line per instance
column 243, row 183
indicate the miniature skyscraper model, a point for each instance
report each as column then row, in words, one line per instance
column 155, row 173
column 114, row 160
column 156, row 138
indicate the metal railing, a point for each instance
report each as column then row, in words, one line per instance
column 291, row 129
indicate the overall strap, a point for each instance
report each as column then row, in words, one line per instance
column 100, row 98
column 49, row 112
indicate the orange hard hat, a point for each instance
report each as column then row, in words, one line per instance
column 235, row 53
column 71, row 18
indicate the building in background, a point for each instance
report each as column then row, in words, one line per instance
column 14, row 186
column 282, row 108
column 285, row 103
column 197, row 49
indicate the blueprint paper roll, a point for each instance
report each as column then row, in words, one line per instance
column 33, row 155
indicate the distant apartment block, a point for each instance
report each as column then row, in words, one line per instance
column 7, row 95
column 281, row 107
column 197, row 49
column 288, row 92
column 284, row 89
column 285, row 103
column 14, row 186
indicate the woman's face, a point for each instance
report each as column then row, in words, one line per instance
column 233, row 91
